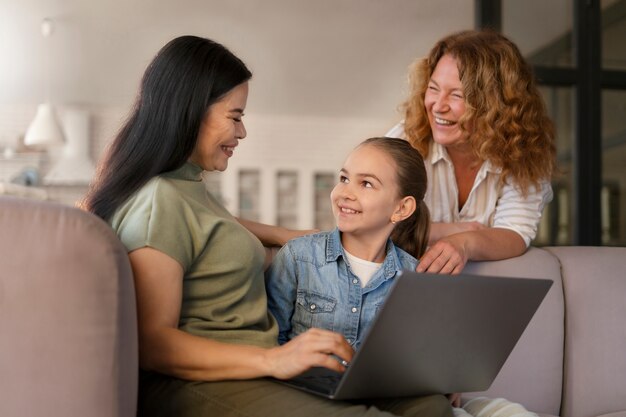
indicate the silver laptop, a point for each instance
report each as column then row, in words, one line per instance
column 435, row 334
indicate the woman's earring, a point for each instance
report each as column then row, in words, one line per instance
column 393, row 221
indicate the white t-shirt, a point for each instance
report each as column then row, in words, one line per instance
column 362, row 268
column 504, row 207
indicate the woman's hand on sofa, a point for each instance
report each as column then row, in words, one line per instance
column 446, row 256
column 450, row 254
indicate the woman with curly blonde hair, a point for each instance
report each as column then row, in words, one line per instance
column 477, row 118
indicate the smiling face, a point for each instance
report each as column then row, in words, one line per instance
column 366, row 197
column 445, row 103
column 221, row 130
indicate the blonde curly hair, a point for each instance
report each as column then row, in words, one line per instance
column 509, row 124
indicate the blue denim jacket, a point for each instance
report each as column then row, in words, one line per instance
column 310, row 284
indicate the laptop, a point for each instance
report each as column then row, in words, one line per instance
column 434, row 334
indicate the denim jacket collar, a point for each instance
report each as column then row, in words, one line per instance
column 334, row 249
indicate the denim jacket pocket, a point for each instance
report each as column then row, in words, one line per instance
column 313, row 310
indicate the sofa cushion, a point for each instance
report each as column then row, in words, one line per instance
column 67, row 314
column 594, row 281
column 533, row 373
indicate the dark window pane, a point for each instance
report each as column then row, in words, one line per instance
column 556, row 227
column 542, row 30
column 613, row 197
column 613, row 34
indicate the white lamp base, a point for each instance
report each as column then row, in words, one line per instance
column 73, row 166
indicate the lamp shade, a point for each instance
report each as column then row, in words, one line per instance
column 44, row 129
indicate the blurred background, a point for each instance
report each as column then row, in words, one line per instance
column 327, row 74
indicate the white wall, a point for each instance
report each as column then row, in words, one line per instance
column 327, row 73
column 330, row 57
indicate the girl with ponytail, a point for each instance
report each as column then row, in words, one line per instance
column 327, row 279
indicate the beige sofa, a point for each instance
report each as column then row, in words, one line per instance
column 68, row 334
column 571, row 360
column 68, row 343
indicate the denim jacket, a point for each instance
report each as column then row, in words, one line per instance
column 310, row 284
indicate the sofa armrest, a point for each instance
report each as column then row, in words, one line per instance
column 533, row 373
column 594, row 282
column 68, row 338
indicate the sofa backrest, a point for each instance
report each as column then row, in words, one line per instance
column 68, row 338
column 533, row 373
column 594, row 281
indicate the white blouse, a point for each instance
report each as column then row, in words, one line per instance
column 503, row 207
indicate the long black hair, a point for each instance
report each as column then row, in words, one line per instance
column 185, row 77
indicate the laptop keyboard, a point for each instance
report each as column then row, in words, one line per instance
column 319, row 379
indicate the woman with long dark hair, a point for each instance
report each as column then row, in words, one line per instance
column 206, row 338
